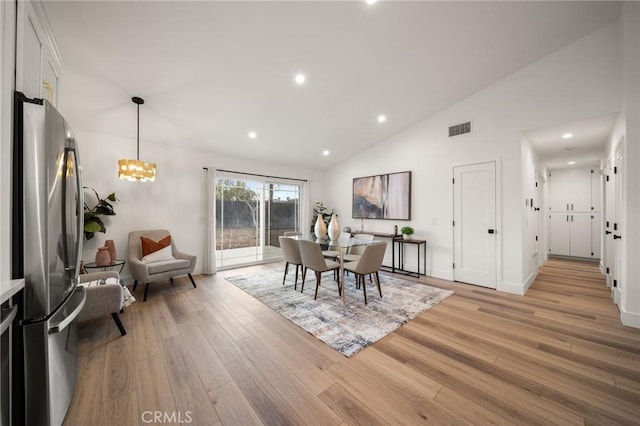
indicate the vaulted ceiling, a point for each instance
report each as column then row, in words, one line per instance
column 211, row 72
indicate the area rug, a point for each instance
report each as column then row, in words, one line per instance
column 348, row 327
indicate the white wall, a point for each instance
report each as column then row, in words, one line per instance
column 7, row 84
column 531, row 169
column 175, row 201
column 581, row 80
column 627, row 128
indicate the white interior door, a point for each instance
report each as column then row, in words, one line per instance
column 619, row 204
column 474, row 207
column 609, row 219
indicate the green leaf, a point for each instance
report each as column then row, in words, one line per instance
column 112, row 197
column 94, row 224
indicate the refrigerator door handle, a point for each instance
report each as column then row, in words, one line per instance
column 80, row 205
column 57, row 328
column 6, row 322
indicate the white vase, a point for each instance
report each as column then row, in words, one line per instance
column 334, row 228
column 321, row 228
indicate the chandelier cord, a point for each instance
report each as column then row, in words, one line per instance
column 138, row 135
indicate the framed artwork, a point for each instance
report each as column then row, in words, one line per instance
column 385, row 196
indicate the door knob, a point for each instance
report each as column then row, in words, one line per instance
column 492, row 231
column 617, row 237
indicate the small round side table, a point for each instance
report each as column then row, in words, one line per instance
column 119, row 263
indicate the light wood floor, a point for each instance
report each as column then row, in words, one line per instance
column 216, row 356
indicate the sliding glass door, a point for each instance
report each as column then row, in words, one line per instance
column 251, row 213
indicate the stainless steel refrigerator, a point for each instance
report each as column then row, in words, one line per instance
column 47, row 221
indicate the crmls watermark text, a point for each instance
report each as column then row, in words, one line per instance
column 166, row 417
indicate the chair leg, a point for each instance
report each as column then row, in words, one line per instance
column 146, row 289
column 135, row 284
column 295, row 283
column 317, row 285
column 378, row 283
column 339, row 289
column 364, row 288
column 304, row 275
column 192, row 281
column 286, row 269
column 116, row 318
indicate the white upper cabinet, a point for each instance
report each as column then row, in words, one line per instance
column 571, row 190
column 580, row 197
column 38, row 61
column 559, row 190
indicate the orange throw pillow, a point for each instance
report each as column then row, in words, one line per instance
column 149, row 246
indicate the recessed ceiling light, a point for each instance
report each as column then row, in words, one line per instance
column 571, row 163
column 382, row 118
column 300, row 78
column 253, row 135
column 371, row 1
column 325, row 152
column 567, row 136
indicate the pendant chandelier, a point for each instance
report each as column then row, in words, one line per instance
column 136, row 170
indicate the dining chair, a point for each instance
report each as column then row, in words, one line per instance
column 355, row 252
column 291, row 254
column 335, row 254
column 312, row 258
column 369, row 263
column 292, row 234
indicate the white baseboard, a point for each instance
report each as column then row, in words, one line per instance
column 617, row 296
column 631, row 319
column 440, row 273
column 513, row 288
column 530, row 280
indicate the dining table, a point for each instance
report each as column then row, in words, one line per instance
column 341, row 245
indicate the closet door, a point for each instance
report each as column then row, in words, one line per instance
column 580, row 234
column 559, row 234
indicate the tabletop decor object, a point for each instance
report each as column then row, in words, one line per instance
column 320, row 229
column 111, row 245
column 334, row 228
column 406, row 232
column 102, row 256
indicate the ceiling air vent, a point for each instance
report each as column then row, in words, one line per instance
column 460, row 129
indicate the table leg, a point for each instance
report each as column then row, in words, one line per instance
column 342, row 288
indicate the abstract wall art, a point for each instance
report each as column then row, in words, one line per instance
column 386, row 196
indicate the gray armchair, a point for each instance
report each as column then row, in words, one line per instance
column 146, row 273
column 102, row 299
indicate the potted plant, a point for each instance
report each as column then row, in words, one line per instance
column 92, row 221
column 406, row 232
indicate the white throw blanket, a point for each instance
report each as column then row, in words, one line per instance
column 127, row 297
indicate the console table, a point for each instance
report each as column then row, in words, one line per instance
column 418, row 243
